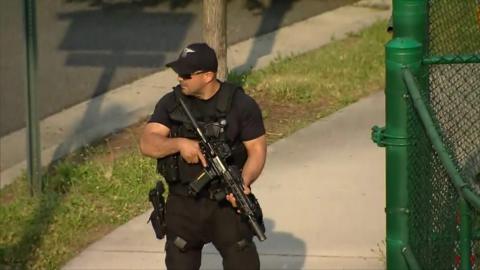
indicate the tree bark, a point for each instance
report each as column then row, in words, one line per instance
column 214, row 32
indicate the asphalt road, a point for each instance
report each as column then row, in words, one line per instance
column 88, row 47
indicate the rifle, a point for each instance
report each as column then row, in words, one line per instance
column 229, row 176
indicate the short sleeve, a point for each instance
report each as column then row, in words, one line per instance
column 160, row 114
column 251, row 123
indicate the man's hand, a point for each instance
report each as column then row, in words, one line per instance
column 232, row 200
column 190, row 152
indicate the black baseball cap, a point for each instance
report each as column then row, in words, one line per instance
column 195, row 57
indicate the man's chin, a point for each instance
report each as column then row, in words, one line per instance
column 186, row 91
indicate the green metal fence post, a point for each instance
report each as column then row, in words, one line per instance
column 410, row 19
column 406, row 50
column 33, row 136
column 465, row 235
column 400, row 53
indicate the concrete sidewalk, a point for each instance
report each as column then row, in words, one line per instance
column 322, row 192
column 89, row 121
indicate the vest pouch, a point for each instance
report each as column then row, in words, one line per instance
column 168, row 168
column 239, row 155
column 188, row 172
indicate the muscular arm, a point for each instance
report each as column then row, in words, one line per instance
column 257, row 152
column 155, row 142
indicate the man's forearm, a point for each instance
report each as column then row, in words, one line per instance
column 157, row 146
column 252, row 169
column 257, row 153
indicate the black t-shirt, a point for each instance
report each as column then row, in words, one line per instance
column 244, row 120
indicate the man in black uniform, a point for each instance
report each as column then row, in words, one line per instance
column 228, row 116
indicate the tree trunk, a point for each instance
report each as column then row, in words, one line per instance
column 214, row 32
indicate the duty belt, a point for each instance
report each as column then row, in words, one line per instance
column 213, row 193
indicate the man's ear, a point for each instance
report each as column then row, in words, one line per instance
column 210, row 76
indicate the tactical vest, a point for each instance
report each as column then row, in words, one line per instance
column 214, row 125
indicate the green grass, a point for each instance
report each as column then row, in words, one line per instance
column 319, row 82
column 82, row 200
column 87, row 195
column 339, row 71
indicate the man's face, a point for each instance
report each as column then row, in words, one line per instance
column 192, row 84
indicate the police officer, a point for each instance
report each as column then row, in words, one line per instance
column 229, row 117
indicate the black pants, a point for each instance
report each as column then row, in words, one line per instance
column 200, row 221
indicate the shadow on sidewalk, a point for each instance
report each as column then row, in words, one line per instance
column 282, row 250
column 272, row 15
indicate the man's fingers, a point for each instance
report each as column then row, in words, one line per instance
column 197, row 157
column 200, row 156
column 232, row 200
column 192, row 160
column 202, row 159
column 246, row 189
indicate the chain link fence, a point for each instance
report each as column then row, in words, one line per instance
column 452, row 95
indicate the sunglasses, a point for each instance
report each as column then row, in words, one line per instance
column 189, row 76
